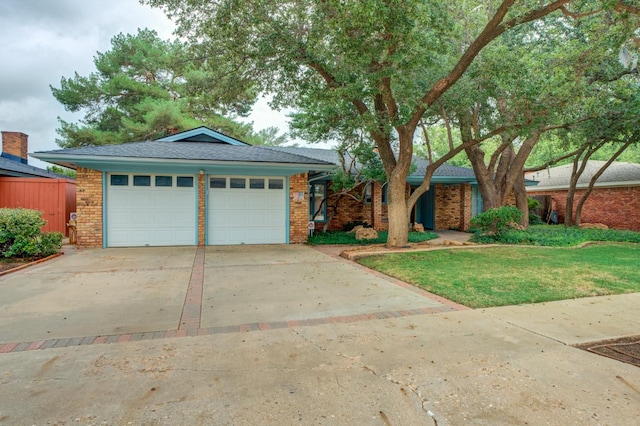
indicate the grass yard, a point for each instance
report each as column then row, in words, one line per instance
column 498, row 276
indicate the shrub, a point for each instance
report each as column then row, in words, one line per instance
column 20, row 234
column 496, row 221
column 534, row 219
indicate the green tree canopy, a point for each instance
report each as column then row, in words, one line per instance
column 145, row 86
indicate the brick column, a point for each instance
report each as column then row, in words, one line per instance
column 298, row 210
column 89, row 207
column 201, row 210
column 465, row 206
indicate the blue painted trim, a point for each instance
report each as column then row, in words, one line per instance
column 202, row 130
column 105, row 243
column 191, row 167
column 287, row 195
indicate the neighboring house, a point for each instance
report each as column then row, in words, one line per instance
column 201, row 187
column 614, row 201
column 29, row 187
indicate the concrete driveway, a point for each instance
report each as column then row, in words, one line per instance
column 142, row 293
column 318, row 341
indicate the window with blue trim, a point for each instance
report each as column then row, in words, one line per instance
column 317, row 209
column 384, row 193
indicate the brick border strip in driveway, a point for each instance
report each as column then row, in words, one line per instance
column 192, row 331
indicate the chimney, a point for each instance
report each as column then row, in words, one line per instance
column 15, row 146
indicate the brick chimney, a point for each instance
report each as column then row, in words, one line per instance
column 15, row 146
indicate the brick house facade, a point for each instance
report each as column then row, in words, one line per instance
column 202, row 187
column 618, row 208
column 451, row 208
column 614, row 200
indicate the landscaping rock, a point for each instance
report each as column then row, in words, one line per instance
column 593, row 225
column 516, row 226
column 355, row 229
column 418, row 227
column 451, row 243
column 366, row 234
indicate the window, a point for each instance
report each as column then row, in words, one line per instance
column 367, row 193
column 119, row 180
column 256, row 183
column 217, row 182
column 317, row 208
column 184, row 181
column 237, row 183
column 276, row 184
column 164, row 181
column 139, row 180
column 384, row 193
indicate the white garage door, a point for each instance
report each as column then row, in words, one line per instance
column 151, row 210
column 247, row 210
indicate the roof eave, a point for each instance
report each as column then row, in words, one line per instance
column 106, row 163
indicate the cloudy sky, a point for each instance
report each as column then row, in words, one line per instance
column 44, row 40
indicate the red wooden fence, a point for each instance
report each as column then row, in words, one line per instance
column 55, row 198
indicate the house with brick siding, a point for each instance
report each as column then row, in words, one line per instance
column 201, row 187
column 614, row 201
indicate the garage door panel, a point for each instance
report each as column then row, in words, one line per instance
column 247, row 215
column 141, row 216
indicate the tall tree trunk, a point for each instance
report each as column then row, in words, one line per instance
column 397, row 170
column 522, row 200
column 398, row 213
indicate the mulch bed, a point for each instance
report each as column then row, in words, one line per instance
column 6, row 264
column 625, row 349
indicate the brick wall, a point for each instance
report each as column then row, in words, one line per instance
column 15, row 143
column 617, row 208
column 89, row 207
column 453, row 206
column 352, row 210
column 298, row 210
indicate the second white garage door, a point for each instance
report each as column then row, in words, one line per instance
column 247, row 210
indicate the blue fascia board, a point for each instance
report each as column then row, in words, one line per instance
column 202, row 131
column 152, row 165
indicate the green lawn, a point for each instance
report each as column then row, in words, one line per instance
column 346, row 238
column 498, row 276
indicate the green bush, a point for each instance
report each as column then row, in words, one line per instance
column 534, row 219
column 20, row 234
column 496, row 221
column 560, row 236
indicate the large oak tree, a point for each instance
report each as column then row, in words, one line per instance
column 388, row 61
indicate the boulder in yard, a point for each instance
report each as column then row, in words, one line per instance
column 366, row 234
column 593, row 225
column 418, row 227
column 355, row 229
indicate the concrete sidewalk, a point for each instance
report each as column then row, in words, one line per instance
column 455, row 368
